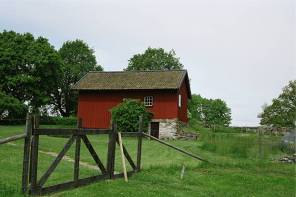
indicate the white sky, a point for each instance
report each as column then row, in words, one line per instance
column 243, row 51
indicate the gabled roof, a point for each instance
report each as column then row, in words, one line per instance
column 133, row 80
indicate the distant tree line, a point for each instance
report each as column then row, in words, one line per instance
column 36, row 77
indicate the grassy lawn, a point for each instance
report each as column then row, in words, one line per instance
column 235, row 170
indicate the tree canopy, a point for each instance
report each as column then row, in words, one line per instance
column 10, row 106
column 28, row 71
column 33, row 75
column 211, row 112
column 77, row 59
column 282, row 111
column 154, row 59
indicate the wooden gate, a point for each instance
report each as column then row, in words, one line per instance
column 30, row 182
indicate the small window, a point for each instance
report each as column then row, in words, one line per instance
column 148, row 101
column 180, row 100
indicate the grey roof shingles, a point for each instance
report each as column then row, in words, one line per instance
column 131, row 80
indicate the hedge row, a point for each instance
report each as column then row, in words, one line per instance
column 44, row 120
column 58, row 120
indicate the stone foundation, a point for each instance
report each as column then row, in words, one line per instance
column 167, row 128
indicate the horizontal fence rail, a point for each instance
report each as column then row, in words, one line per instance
column 13, row 138
column 69, row 132
column 176, row 148
column 79, row 131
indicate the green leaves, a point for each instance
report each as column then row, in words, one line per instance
column 10, row 106
column 77, row 59
column 33, row 74
column 127, row 115
column 155, row 59
column 211, row 112
column 28, row 68
column 282, row 111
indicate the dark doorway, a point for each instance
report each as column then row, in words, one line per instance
column 155, row 129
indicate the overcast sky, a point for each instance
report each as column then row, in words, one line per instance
column 243, row 51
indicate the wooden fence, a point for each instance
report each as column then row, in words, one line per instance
column 30, row 182
column 32, row 185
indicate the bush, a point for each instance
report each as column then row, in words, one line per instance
column 9, row 190
column 126, row 115
column 44, row 120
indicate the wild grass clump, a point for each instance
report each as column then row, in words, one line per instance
column 239, row 150
column 227, row 145
column 198, row 126
column 239, row 146
column 9, row 190
column 222, row 129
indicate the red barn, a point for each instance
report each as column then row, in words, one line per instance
column 164, row 93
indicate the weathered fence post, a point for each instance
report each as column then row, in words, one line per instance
column 122, row 157
column 111, row 151
column 26, row 157
column 36, row 121
column 77, row 152
column 139, row 152
column 35, row 124
column 34, row 157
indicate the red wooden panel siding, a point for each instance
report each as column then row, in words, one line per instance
column 94, row 107
column 182, row 111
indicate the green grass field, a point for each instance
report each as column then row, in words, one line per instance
column 236, row 168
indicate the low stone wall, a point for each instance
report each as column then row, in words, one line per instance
column 288, row 159
column 265, row 130
column 180, row 135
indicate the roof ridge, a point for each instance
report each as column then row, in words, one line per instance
column 132, row 80
column 138, row 71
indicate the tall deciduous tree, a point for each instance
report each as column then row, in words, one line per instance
column 195, row 107
column 28, row 70
column 211, row 112
column 215, row 112
column 154, row 59
column 77, row 59
column 282, row 111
